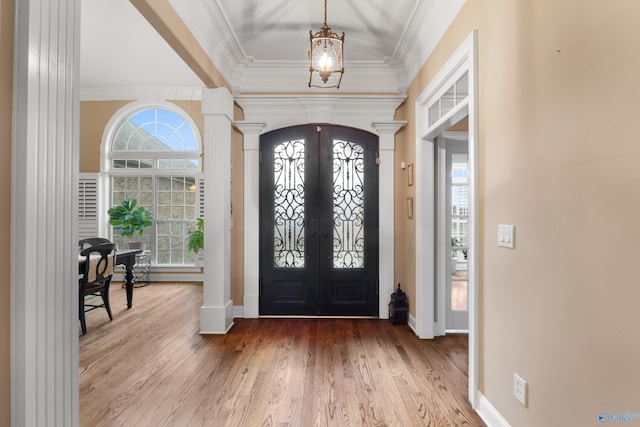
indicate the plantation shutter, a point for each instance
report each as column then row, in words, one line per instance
column 88, row 205
column 200, row 261
column 200, row 196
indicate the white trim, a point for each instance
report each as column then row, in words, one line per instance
column 457, row 331
column 463, row 60
column 168, row 277
column 126, row 111
column 280, row 111
column 428, row 24
column 489, row 413
column 238, row 312
column 216, row 314
column 386, row 210
column 443, row 229
column 292, row 76
column 251, row 143
column 149, row 94
column 412, row 323
column 216, row 320
column 44, row 205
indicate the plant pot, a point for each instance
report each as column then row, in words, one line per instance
column 137, row 245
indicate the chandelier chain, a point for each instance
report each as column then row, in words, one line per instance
column 325, row 13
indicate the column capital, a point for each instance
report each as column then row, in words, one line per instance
column 385, row 128
column 250, row 128
column 387, row 131
column 217, row 102
column 251, row 132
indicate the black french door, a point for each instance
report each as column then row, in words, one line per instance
column 318, row 222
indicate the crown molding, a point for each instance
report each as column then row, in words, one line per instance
column 293, row 76
column 279, row 111
column 140, row 93
column 430, row 20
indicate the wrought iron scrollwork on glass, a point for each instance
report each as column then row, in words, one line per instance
column 348, row 205
column 288, row 204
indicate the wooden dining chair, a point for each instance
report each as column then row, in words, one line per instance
column 92, row 241
column 95, row 279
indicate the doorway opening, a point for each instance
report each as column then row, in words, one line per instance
column 452, row 223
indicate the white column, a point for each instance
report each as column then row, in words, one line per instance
column 251, row 132
column 216, row 314
column 44, row 239
column 387, row 146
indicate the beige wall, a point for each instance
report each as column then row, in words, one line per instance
column 405, row 241
column 94, row 116
column 558, row 147
column 6, row 90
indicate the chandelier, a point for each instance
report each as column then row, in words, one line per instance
column 326, row 65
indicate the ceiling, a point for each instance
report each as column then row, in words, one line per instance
column 258, row 45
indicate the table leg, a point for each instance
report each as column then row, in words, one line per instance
column 129, row 284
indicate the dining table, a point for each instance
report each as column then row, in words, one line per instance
column 127, row 258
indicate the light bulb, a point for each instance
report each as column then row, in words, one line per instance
column 325, row 61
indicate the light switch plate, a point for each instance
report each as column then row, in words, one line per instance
column 505, row 236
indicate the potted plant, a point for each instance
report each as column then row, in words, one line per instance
column 130, row 221
column 195, row 241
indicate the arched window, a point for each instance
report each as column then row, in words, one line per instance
column 154, row 157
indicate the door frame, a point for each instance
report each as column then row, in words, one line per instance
column 443, row 227
column 264, row 113
column 316, row 285
column 465, row 59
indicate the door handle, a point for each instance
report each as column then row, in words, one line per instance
column 324, row 233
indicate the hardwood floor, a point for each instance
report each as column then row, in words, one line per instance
column 151, row 367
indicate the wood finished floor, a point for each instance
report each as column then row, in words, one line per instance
column 151, row 367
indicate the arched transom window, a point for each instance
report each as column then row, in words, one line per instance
column 154, row 157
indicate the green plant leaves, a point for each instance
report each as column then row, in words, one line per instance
column 128, row 220
column 195, row 241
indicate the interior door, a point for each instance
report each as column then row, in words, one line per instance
column 318, row 222
column 456, row 292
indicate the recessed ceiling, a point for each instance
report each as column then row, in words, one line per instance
column 279, row 29
column 259, row 45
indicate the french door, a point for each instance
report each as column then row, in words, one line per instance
column 456, row 292
column 318, row 222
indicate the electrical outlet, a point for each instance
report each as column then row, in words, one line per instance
column 520, row 389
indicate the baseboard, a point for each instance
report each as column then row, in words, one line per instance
column 412, row 323
column 238, row 311
column 166, row 277
column 489, row 414
column 216, row 319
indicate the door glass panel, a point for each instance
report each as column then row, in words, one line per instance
column 448, row 101
column 348, row 205
column 462, row 87
column 459, row 231
column 288, row 204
